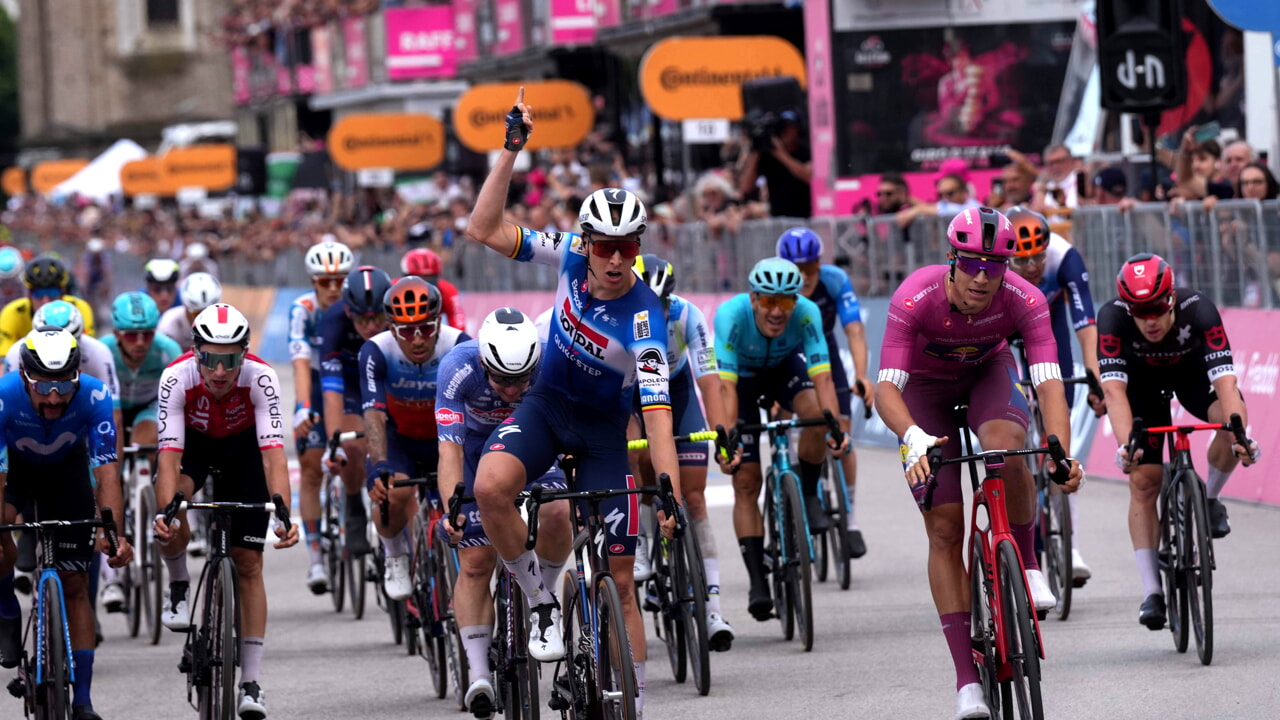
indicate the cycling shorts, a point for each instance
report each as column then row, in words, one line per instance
column 143, row 413
column 473, row 534
column 840, row 377
column 780, row 383
column 1188, row 380
column 548, row 424
column 686, row 418
column 352, row 403
column 317, row 439
column 408, row 457
column 61, row 490
column 240, row 477
column 991, row 392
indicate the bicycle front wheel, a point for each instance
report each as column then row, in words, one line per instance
column 1171, row 554
column 667, row 581
column 358, row 577
column 54, row 694
column 446, row 578
column 331, row 544
column 615, row 673
column 692, row 593
column 1022, row 698
column 798, row 561
column 1055, row 533
column 775, row 561
column 839, row 533
column 520, row 679
column 218, row 697
column 982, row 620
column 1198, row 557
column 431, row 600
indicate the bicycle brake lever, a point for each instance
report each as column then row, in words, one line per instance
column 109, row 529
column 175, row 505
column 833, row 427
column 1060, row 467
column 282, row 512
column 532, row 505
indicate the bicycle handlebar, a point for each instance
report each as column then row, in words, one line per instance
column 135, row 449
column 539, row 495
column 699, row 436
column 106, row 521
column 338, row 438
column 993, row 459
column 1234, row 425
column 828, row 419
column 276, row 506
column 861, row 389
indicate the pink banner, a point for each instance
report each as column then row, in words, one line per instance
column 322, row 60
column 510, row 27
column 355, row 54
column 240, row 75
column 464, row 30
column 608, row 13
column 420, row 43
column 817, row 30
column 1257, row 360
column 573, row 22
column 284, row 81
column 658, row 8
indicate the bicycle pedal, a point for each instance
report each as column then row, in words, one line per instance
column 558, row 701
column 1078, row 582
column 17, row 687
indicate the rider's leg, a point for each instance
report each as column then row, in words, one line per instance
column 309, row 505
column 473, row 606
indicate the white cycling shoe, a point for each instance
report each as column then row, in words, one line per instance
column 253, row 702
column 396, row 580
column 176, row 615
column 113, row 597
column 480, row 698
column 970, row 703
column 643, row 565
column 318, row 579
column 546, row 644
column 1041, row 596
column 720, row 632
column 1079, row 569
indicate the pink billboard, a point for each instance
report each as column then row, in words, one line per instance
column 608, row 13
column 464, row 30
column 420, row 43
column 240, row 75
column 355, row 52
column 817, row 28
column 573, row 22
column 322, row 60
column 658, row 8
column 510, row 27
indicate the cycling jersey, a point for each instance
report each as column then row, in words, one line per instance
column 1196, row 341
column 140, row 388
column 688, row 337
column 742, row 349
column 1065, row 285
column 175, row 325
column 403, row 389
column 253, row 403
column 340, row 345
column 304, row 330
column 95, row 361
column 37, row 441
column 15, row 320
column 450, row 306
column 834, row 297
column 467, row 408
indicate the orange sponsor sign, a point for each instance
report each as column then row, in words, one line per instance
column 14, row 181
column 145, row 177
column 212, row 167
column 562, row 114
column 395, row 141
column 689, row 78
column 47, row 175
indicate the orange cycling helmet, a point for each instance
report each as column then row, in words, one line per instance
column 412, row 300
column 1032, row 230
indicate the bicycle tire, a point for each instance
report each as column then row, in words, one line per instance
column 799, row 566
column 140, row 597
column 615, row 673
column 839, row 533
column 1171, row 530
column 667, row 621
column 455, row 657
column 522, row 684
column 694, row 611
column 982, row 627
column 431, row 607
column 358, row 574
column 574, row 681
column 1055, row 535
column 1022, row 644
column 1199, row 567
column 218, row 697
column 54, row 693
column 331, row 545
column 774, row 561
column 152, row 571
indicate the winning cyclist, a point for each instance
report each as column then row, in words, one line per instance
column 162, row 282
column 50, row 398
column 688, row 337
column 426, row 264
column 829, row 288
column 481, row 383
column 399, row 369
column 11, row 265
column 198, row 291
column 607, row 334
column 769, row 343
column 327, row 263
column 46, row 279
column 344, row 327
column 1158, row 337
column 220, row 412
column 945, row 345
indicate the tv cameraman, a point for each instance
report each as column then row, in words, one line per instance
column 779, row 152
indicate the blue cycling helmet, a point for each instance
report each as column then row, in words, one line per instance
column 775, row 276
column 11, row 263
column 134, row 311
column 800, row 245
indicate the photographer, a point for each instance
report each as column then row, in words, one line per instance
column 780, row 153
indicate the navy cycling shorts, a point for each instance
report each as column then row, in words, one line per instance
column 473, row 534
column 780, row 383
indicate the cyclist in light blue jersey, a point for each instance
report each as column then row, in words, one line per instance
column 769, row 343
column 607, row 335
column 140, row 357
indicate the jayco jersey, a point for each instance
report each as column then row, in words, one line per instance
column 403, row 389
column 467, row 408
column 43, row 442
column 304, row 329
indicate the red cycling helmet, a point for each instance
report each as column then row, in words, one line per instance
column 1145, row 279
column 421, row 262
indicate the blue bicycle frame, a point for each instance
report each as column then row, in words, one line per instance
column 48, row 574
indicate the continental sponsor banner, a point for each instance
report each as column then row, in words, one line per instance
column 395, row 141
column 47, row 175
column 14, row 181
column 561, row 109
column 145, row 177
column 687, row 78
column 212, row 167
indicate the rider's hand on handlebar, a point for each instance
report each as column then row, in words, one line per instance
column 838, row 451
column 1075, row 480
column 338, row 462
column 288, row 538
column 455, row 532
column 729, row 465
column 1098, row 405
column 381, row 477
column 124, row 551
column 667, row 524
column 915, row 449
column 303, row 421
column 164, row 531
column 1126, row 463
column 1249, row 456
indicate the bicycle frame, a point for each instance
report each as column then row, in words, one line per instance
column 37, row 617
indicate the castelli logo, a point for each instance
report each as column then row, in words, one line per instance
column 946, row 323
column 909, row 304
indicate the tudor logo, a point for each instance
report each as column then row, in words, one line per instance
column 1109, row 345
column 1139, row 270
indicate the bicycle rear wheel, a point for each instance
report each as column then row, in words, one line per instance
column 615, row 672
column 1022, row 698
column 838, row 509
column 574, row 686
column 1055, row 535
column 1171, row 560
column 358, row 575
column 691, row 590
column 667, row 620
column 1198, row 556
column 432, row 607
column 799, row 562
column 446, row 569
column 54, row 695
column 217, row 699
column 520, row 686
column 774, row 561
column 140, row 594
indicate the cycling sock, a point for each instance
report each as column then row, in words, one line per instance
column 1073, row 502
column 706, row 538
column 395, row 546
column 83, row 660
column 957, row 630
column 9, row 607
column 527, row 573
column 752, row 549
column 810, row 474
column 851, row 524
column 1149, row 570
column 355, row 507
column 712, row 568
column 551, row 574
column 312, row 528
column 177, row 567
column 1216, row 481
column 475, row 642
column 250, row 659
column 1025, row 537
column 639, row 666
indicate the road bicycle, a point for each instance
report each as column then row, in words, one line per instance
column 788, row 546
column 143, row 579
column 46, row 672
column 1186, row 545
column 347, row 571
column 1006, row 634
column 212, row 650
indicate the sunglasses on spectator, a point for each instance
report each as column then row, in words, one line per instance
column 1025, row 262
column 606, row 248
column 49, row 387
column 416, row 330
column 786, row 303
column 973, row 265
column 133, row 336
column 1151, row 310
column 332, row 283
column 509, row 381
column 212, row 360
column 52, row 293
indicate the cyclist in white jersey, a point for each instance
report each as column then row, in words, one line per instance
column 198, row 291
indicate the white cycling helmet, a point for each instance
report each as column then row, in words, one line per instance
column 613, row 212
column 50, row 351
column 329, row 257
column 60, row 313
column 509, row 343
column 161, row 270
column 220, row 324
column 199, row 291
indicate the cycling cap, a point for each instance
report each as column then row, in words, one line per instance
column 509, row 343
column 412, row 300
column 220, row 324
column 1145, row 278
column 1032, row 231
column 657, row 273
column 162, row 270
column 364, row 290
column 775, row 276
column 800, row 245
column 613, row 212
column 46, row 272
column 134, row 311
column 50, row 351
column 421, row 262
column 329, row 258
column 199, row 291
column 62, row 314
column 982, row 230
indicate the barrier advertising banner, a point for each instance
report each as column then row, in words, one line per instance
column 689, row 78
column 322, row 59
column 145, row 177
column 355, row 54
column 394, row 141
column 508, row 20
column 420, row 43
column 573, row 22
column 14, row 181
column 464, row 30
column 48, row 175
column 562, row 112
column 212, row 167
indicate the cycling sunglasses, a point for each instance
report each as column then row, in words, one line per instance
column 1151, row 310
column 166, row 287
column 810, row 268
column 606, row 248
column 416, row 330
column 1025, row 262
column 49, row 387
column 330, row 283
column 212, row 360
column 133, row 336
column 786, row 303
column 52, row 293
column 974, row 265
column 509, row 380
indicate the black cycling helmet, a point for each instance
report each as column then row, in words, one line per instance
column 46, row 272
column 364, row 290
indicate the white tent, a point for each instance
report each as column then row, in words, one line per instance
column 101, row 178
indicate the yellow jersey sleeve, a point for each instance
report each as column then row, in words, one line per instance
column 15, row 323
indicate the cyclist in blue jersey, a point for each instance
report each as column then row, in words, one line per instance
column 692, row 359
column 57, row 429
column 328, row 264
column 481, row 383
column 1049, row 262
column 607, row 334
column 399, row 369
column 344, row 328
column 829, row 288
column 769, row 343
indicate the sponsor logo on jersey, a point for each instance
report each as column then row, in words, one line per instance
column 507, row 429
column 909, row 304
column 946, row 323
column 35, row 447
column 1109, row 345
column 496, row 415
column 582, row 335
column 616, row 548
column 446, row 417
column 1216, row 337
column 652, row 361
column 641, row 325
column 455, row 382
column 497, row 446
column 404, row 383
column 98, row 395
column 273, row 401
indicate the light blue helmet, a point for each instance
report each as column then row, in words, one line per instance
column 775, row 276
column 11, row 263
column 134, row 311
column 59, row 313
column 800, row 245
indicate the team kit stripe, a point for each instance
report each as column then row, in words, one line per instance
column 586, row 330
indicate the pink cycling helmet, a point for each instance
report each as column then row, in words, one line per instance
column 983, row 230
